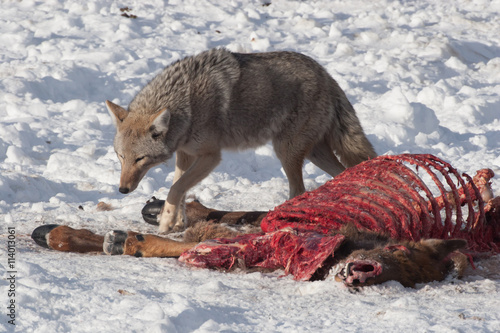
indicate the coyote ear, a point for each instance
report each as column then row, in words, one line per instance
column 160, row 122
column 117, row 112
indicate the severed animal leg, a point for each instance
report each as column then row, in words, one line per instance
column 64, row 238
column 143, row 245
column 196, row 212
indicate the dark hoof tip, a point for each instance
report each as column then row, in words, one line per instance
column 39, row 235
column 124, row 190
column 151, row 211
column 114, row 241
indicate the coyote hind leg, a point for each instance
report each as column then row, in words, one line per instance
column 324, row 158
column 292, row 159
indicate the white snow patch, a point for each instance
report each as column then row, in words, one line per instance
column 424, row 77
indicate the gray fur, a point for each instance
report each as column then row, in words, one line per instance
column 222, row 100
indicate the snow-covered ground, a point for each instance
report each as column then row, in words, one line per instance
column 424, row 76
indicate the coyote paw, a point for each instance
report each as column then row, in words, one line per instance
column 172, row 219
column 114, row 242
column 177, row 227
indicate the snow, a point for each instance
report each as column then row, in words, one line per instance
column 424, row 77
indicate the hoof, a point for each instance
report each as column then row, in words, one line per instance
column 152, row 210
column 114, row 241
column 39, row 235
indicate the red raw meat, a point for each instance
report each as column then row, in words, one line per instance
column 385, row 194
column 298, row 253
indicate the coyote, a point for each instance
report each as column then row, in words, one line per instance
column 223, row 100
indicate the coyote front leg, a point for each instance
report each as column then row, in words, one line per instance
column 173, row 217
column 183, row 162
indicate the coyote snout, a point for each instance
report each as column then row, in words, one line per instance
column 130, row 178
column 221, row 100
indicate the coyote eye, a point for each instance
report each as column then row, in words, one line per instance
column 139, row 159
column 155, row 135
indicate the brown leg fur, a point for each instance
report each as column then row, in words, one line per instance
column 67, row 239
column 195, row 211
column 203, row 231
column 140, row 245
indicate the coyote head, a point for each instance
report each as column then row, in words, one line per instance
column 409, row 263
column 139, row 143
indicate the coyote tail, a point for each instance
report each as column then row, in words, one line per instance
column 348, row 139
